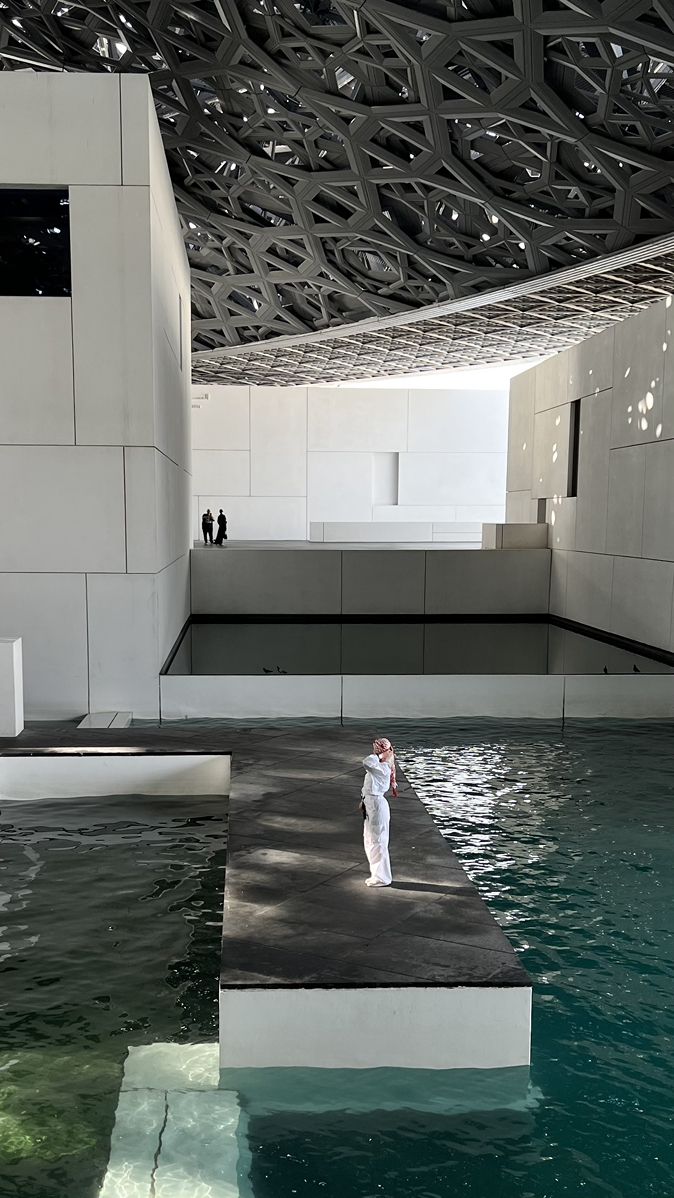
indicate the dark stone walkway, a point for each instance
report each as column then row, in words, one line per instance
column 297, row 910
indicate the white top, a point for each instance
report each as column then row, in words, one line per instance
column 378, row 776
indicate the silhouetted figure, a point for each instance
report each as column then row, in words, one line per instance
column 222, row 528
column 207, row 526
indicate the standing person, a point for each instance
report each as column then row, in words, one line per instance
column 222, row 528
column 380, row 774
column 207, row 526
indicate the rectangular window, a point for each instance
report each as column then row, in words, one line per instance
column 34, row 241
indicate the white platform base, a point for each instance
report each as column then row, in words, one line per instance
column 11, row 686
column 405, row 1028
column 89, row 773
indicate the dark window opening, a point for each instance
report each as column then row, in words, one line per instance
column 574, row 447
column 34, row 241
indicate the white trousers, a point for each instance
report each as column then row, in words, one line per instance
column 375, row 837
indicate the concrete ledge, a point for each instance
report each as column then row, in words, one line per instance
column 90, row 773
column 400, row 1027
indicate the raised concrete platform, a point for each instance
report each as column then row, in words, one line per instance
column 320, row 971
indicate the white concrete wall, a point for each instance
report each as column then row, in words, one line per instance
column 613, row 543
column 95, row 448
column 279, row 459
column 369, row 581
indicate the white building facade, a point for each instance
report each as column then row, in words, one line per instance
column 348, row 463
column 94, row 403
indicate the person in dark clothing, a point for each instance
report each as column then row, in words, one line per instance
column 207, row 526
column 222, row 528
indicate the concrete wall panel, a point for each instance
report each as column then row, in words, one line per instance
column 59, row 129
column 265, row 581
column 452, row 478
column 49, row 612
column 472, row 583
column 36, row 371
column 357, row 419
column 383, row 582
column 73, row 496
column 451, row 418
column 112, row 315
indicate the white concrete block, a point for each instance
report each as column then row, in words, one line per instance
column 199, row 1150
column 386, row 532
column 552, row 432
column 383, row 582
column 439, row 696
column 48, row 611
column 558, row 575
column 220, row 472
column 588, row 588
column 641, row 600
column 36, row 389
column 520, row 508
column 73, row 496
column 173, row 604
column 521, row 431
column 591, row 364
column 250, row 697
column 658, row 508
column 561, row 513
column 466, row 421
column 278, row 473
column 361, row 419
column 11, row 686
column 593, row 469
column 112, row 315
column 410, row 513
column 220, row 417
column 182, row 1067
column 639, row 366
column 266, row 581
column 90, row 774
column 414, row 1027
column 626, row 483
column 339, row 486
column 171, row 356
column 259, row 518
column 452, row 478
column 476, row 513
column 278, row 419
column 619, row 697
column 551, row 382
column 97, row 719
column 123, row 648
column 58, row 128
column 135, row 1143
column 514, row 536
column 508, row 581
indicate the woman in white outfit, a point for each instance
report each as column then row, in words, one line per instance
column 379, row 776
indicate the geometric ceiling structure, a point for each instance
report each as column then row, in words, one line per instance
column 346, row 161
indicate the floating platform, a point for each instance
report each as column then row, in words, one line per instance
column 319, row 970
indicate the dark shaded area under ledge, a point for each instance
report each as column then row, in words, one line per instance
column 298, row 911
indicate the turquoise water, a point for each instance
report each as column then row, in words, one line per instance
column 109, row 937
column 571, row 840
column 110, row 924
